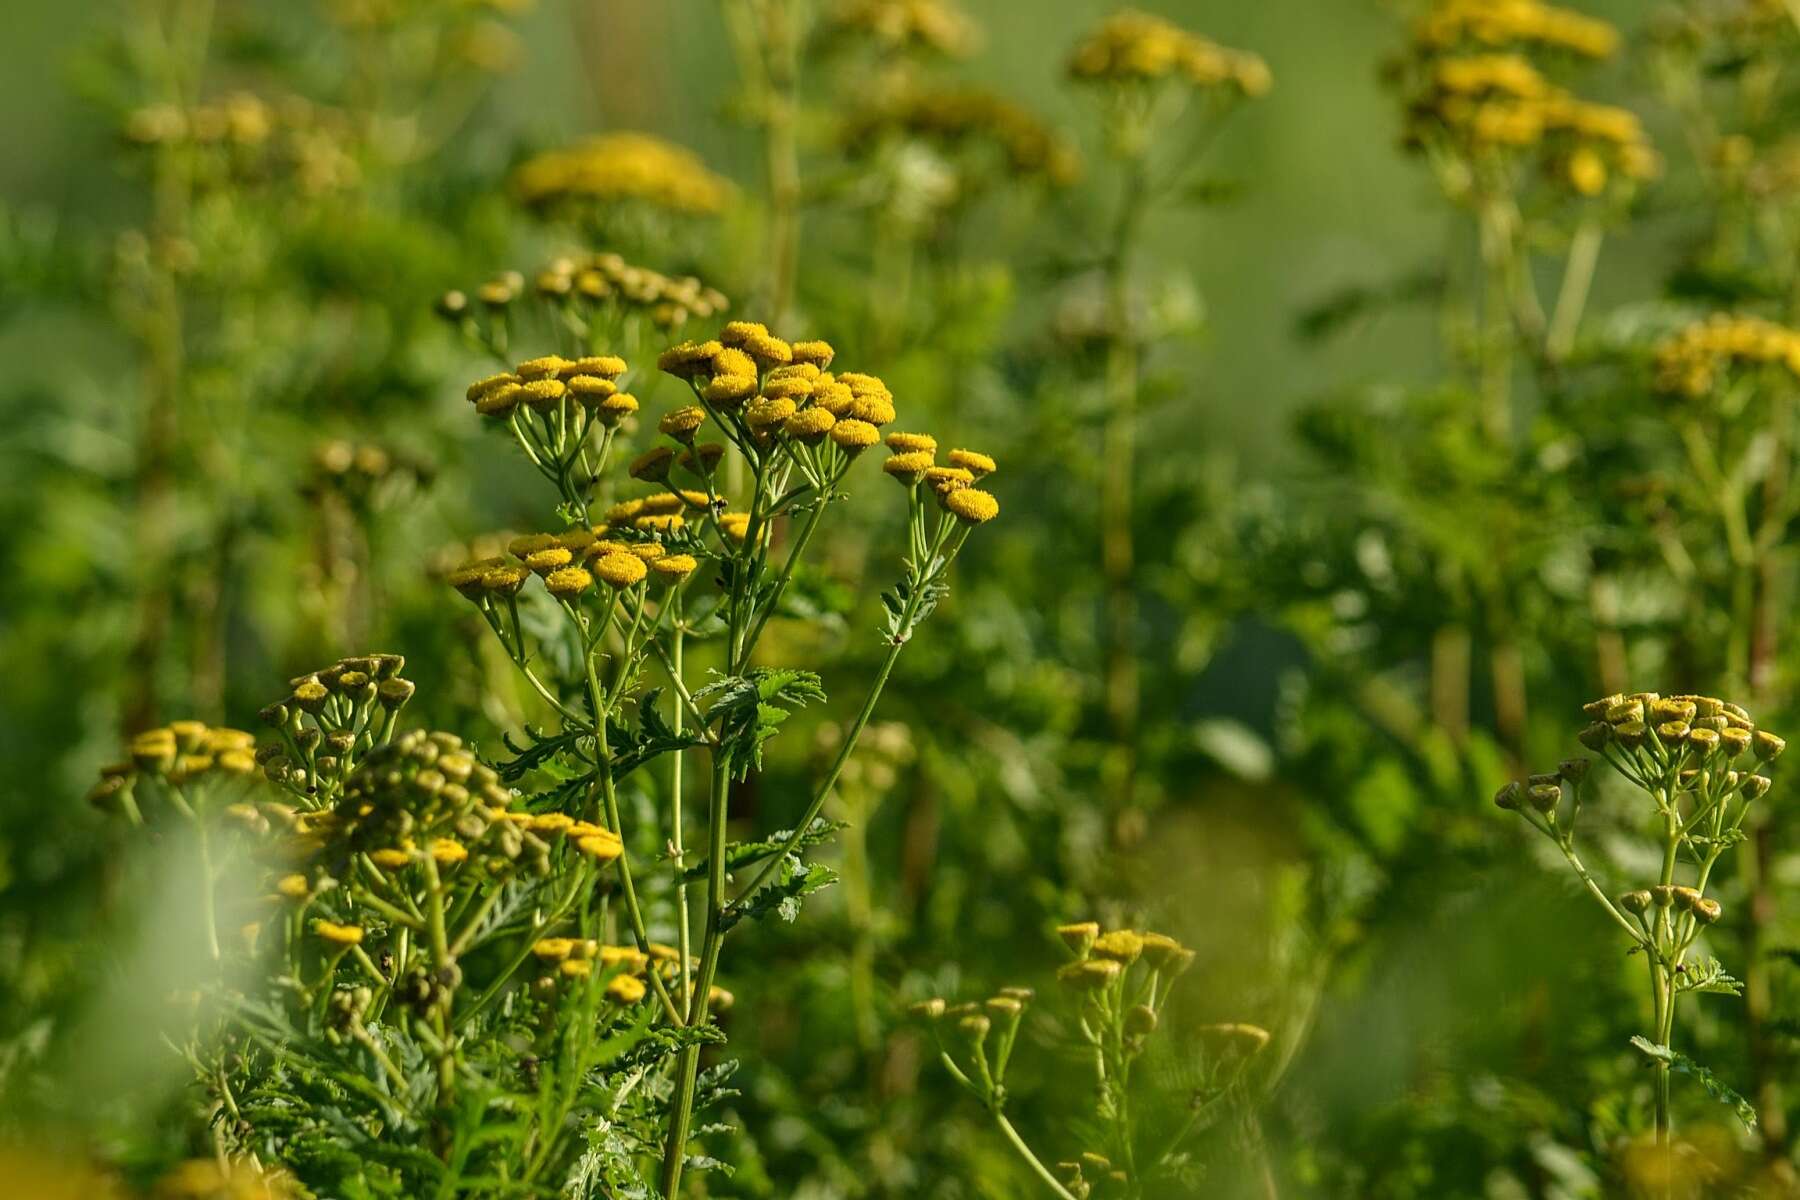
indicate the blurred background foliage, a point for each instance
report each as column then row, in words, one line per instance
column 236, row 447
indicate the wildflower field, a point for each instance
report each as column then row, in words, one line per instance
column 946, row 599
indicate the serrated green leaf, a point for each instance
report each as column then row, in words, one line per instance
column 1715, row 1087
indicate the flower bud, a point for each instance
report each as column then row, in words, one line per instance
column 1509, row 796
column 1662, row 895
column 1636, row 903
column 1079, row 938
column 1755, row 787
column 1574, row 770
column 1707, row 910
column 1684, row 897
column 1140, row 1021
column 929, row 1010
column 1631, row 734
column 1544, row 797
column 1767, row 746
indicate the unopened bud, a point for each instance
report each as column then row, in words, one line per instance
column 1508, row 796
column 928, row 1010
column 1637, row 902
column 1755, row 787
column 1662, row 895
column 1595, row 736
column 1140, row 1021
column 1685, row 897
column 1707, row 910
column 1767, row 746
column 1575, row 769
column 1544, row 797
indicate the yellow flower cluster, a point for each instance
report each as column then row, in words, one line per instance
column 623, row 167
column 598, row 281
column 293, row 138
column 1134, row 45
column 913, row 461
column 620, row 553
column 1452, row 24
column 967, row 117
column 1690, row 362
column 565, row 393
column 1102, row 959
column 51, row 1175
column 903, row 24
column 576, row 958
column 1487, row 102
column 765, row 392
column 229, row 1179
column 177, row 754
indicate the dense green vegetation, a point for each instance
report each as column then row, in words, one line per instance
column 877, row 598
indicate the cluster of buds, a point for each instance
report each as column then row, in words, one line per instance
column 975, row 1040
column 1135, row 47
column 363, row 475
column 970, row 120
column 248, row 138
column 621, row 560
column 178, row 763
column 1081, row 1175
column 1685, row 753
column 1454, row 25
column 933, row 26
column 595, row 290
column 424, row 801
column 1101, row 971
column 329, row 721
column 622, row 167
column 1692, row 361
column 1483, row 104
column 553, row 405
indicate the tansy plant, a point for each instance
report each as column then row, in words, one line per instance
column 1120, row 982
column 465, row 995
column 1695, row 759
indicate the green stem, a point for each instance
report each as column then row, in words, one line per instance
column 1018, row 1143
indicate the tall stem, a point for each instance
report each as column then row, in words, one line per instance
column 681, row 1106
column 1118, row 551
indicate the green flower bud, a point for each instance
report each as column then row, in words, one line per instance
column 1636, row 903
column 1768, row 747
column 1755, row 787
column 1575, row 769
column 928, row 1010
column 1140, row 1021
column 1707, row 910
column 1595, row 736
column 1662, row 895
column 1544, row 797
column 1508, row 797
column 1631, row 734
column 1685, row 897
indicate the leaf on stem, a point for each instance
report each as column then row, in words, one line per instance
column 1715, row 1087
column 751, row 708
column 743, row 854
